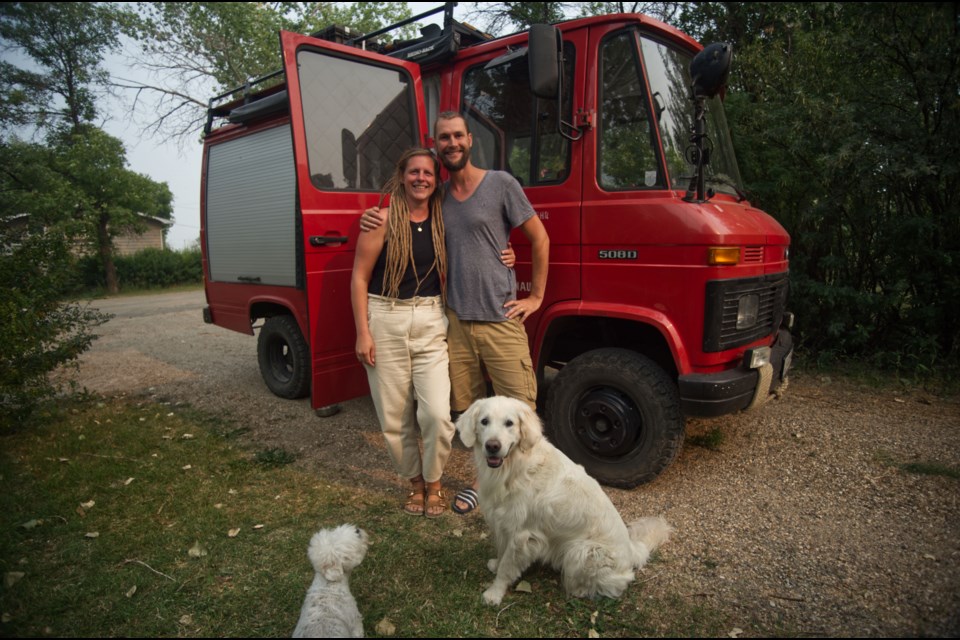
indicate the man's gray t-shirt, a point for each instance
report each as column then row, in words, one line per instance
column 477, row 230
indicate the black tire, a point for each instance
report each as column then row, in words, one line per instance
column 284, row 357
column 618, row 414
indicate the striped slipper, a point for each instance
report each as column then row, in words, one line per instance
column 468, row 497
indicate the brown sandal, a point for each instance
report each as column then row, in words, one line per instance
column 414, row 505
column 436, row 501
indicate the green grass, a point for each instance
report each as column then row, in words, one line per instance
column 167, row 480
column 931, row 469
column 711, row 440
column 275, row 457
column 926, row 468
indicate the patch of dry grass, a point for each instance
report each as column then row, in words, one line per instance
column 121, row 519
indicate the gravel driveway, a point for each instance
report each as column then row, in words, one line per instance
column 798, row 520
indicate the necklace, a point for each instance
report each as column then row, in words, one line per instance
column 419, row 224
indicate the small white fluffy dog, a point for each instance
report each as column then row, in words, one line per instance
column 329, row 610
column 541, row 506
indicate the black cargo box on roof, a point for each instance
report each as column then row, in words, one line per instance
column 269, row 105
column 436, row 44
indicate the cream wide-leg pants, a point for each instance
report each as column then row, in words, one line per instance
column 411, row 371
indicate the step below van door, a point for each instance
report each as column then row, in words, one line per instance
column 352, row 114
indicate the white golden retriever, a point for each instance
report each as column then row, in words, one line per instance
column 541, row 506
column 329, row 610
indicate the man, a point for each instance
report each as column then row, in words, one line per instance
column 480, row 209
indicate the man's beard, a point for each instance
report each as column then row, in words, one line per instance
column 460, row 164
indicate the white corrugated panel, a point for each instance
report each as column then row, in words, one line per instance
column 251, row 209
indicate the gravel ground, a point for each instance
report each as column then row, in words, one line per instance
column 798, row 520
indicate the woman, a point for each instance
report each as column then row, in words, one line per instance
column 397, row 295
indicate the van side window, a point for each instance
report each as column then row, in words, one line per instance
column 358, row 117
column 513, row 130
column 627, row 147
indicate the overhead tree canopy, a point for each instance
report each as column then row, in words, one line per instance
column 66, row 43
column 500, row 18
column 195, row 50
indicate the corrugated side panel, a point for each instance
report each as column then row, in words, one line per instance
column 251, row 209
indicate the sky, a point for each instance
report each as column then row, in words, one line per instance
column 179, row 168
column 168, row 162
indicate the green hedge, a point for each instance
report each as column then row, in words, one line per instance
column 146, row 269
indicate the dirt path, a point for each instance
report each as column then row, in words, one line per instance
column 798, row 520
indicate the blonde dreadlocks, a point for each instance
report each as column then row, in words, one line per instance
column 399, row 237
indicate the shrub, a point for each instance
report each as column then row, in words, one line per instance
column 41, row 333
column 146, row 269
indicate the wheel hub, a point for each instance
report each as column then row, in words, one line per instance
column 281, row 360
column 607, row 422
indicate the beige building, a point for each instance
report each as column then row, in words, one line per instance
column 151, row 238
column 126, row 243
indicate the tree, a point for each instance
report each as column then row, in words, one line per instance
column 664, row 11
column 106, row 198
column 97, row 197
column 41, row 332
column 842, row 114
column 194, row 50
column 67, row 42
column 501, row 17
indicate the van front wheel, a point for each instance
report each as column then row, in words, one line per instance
column 618, row 414
column 284, row 357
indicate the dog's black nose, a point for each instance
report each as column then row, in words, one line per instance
column 493, row 447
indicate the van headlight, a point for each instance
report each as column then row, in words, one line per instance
column 748, row 310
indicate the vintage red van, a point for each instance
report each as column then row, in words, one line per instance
column 667, row 289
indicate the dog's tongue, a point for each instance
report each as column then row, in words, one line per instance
column 494, row 462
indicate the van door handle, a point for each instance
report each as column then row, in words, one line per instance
column 321, row 241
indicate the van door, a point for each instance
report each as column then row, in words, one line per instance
column 634, row 228
column 352, row 114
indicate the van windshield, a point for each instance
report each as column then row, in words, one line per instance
column 668, row 72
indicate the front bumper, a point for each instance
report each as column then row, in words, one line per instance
column 717, row 394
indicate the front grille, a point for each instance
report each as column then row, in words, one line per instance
column 752, row 255
column 723, row 298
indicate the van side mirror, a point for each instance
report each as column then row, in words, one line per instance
column 543, row 57
column 710, row 68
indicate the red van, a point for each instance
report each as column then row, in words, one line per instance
column 667, row 289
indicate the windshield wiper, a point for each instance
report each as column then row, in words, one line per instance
column 741, row 196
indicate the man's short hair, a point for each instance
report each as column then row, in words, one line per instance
column 450, row 115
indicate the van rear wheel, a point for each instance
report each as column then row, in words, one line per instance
column 618, row 414
column 284, row 357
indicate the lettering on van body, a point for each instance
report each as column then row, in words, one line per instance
column 617, row 254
